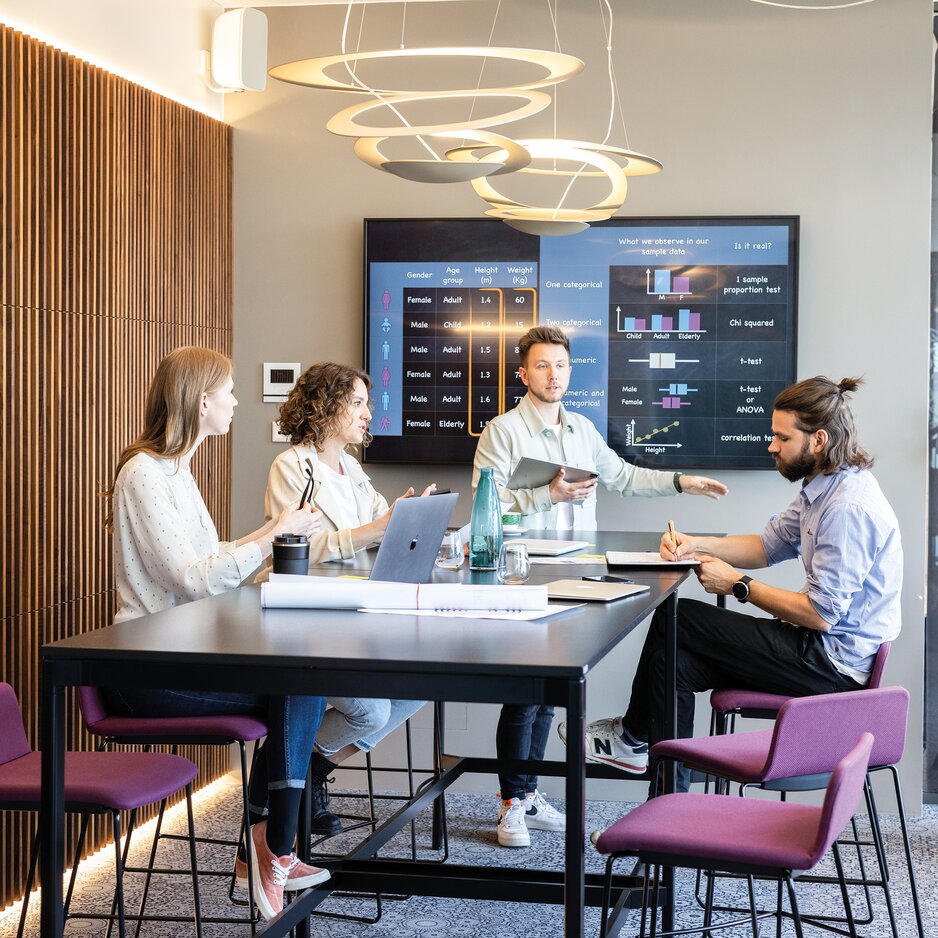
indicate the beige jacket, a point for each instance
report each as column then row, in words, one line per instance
column 285, row 484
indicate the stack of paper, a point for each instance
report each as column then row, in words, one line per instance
column 646, row 558
column 286, row 591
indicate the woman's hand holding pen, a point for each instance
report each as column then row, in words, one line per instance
column 305, row 520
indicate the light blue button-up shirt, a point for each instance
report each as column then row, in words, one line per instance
column 847, row 536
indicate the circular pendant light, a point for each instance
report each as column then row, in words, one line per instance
column 511, row 157
column 345, row 122
column 554, row 219
column 312, row 72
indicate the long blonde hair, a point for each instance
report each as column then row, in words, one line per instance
column 171, row 414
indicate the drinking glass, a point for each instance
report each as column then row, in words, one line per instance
column 514, row 565
column 450, row 556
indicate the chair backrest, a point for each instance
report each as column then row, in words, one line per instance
column 843, row 794
column 92, row 705
column 13, row 741
column 879, row 665
column 812, row 734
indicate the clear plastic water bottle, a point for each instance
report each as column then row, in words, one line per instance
column 485, row 526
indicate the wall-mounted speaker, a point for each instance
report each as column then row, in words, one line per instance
column 239, row 50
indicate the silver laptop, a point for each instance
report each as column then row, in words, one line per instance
column 592, row 590
column 412, row 539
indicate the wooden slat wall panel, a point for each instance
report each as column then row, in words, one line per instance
column 115, row 247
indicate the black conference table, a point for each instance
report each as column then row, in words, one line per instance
column 229, row 642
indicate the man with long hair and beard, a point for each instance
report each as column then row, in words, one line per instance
column 820, row 639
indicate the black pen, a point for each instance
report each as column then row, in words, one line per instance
column 310, row 483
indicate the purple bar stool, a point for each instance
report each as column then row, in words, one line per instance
column 819, row 723
column 728, row 703
column 223, row 730
column 95, row 783
column 773, row 839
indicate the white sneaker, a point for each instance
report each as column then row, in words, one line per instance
column 540, row 815
column 512, row 830
column 604, row 744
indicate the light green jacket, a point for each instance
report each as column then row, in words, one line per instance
column 522, row 432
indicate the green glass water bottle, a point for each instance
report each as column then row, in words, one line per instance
column 485, row 525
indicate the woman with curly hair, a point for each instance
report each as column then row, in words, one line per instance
column 326, row 413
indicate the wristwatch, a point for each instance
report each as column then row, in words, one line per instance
column 676, row 481
column 741, row 589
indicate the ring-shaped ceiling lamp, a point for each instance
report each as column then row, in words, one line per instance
column 812, row 6
column 556, row 149
column 344, row 123
column 637, row 164
column 548, row 221
column 312, row 72
column 515, row 157
column 557, row 220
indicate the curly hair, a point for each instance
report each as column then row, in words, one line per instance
column 314, row 411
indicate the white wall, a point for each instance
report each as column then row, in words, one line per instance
column 752, row 110
column 155, row 43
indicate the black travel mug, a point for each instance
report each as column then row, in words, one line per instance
column 291, row 554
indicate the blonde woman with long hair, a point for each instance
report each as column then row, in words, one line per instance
column 167, row 552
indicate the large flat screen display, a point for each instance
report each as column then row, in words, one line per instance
column 682, row 332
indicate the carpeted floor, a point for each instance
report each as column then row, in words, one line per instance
column 472, row 840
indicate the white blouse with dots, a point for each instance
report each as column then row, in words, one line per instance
column 166, row 548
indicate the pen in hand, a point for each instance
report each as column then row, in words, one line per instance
column 310, row 484
column 673, row 535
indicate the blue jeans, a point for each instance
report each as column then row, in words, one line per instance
column 522, row 734
column 364, row 721
column 292, row 723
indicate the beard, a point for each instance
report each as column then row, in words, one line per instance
column 798, row 468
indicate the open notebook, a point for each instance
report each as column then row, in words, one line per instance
column 645, row 558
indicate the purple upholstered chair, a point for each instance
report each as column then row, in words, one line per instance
column 223, row 730
column 729, row 703
column 823, row 725
column 95, row 783
column 749, row 836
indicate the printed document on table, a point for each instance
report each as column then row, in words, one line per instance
column 309, row 592
column 646, row 558
column 520, row 615
column 579, row 559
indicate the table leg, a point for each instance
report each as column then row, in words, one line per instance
column 439, row 747
column 304, row 822
column 670, row 725
column 574, row 860
column 52, row 804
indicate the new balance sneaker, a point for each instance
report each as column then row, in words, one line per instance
column 604, row 744
column 512, row 829
column 540, row 815
column 301, row 875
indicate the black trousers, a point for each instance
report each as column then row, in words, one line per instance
column 716, row 649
